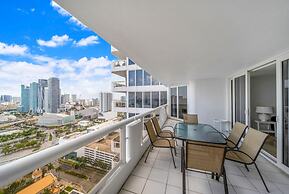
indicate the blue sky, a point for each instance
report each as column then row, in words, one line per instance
column 38, row 39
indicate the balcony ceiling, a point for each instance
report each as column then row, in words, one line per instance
column 180, row 40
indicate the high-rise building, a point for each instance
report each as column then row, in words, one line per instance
column 140, row 91
column 45, row 105
column 5, row 98
column 73, row 98
column 65, row 98
column 33, row 97
column 53, row 95
column 42, row 84
column 105, row 102
column 25, row 92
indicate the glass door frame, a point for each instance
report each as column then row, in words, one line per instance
column 248, row 97
column 279, row 111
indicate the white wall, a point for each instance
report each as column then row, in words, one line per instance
column 263, row 93
column 208, row 98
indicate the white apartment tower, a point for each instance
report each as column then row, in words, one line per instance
column 141, row 92
column 105, row 102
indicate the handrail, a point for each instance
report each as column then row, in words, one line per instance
column 13, row 170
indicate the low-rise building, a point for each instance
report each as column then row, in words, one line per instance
column 47, row 182
column 88, row 113
column 52, row 119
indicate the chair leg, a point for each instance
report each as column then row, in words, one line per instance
column 247, row 167
column 225, row 181
column 213, row 175
column 149, row 149
column 175, row 151
column 173, row 157
column 262, row 178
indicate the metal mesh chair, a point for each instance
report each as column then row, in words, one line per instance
column 236, row 135
column 159, row 142
column 208, row 158
column 160, row 132
column 190, row 118
column 249, row 150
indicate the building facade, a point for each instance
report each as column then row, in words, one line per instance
column 33, row 97
column 25, row 92
column 43, row 83
column 141, row 92
column 65, row 98
column 53, row 95
column 105, row 102
column 5, row 98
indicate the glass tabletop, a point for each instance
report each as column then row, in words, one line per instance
column 198, row 132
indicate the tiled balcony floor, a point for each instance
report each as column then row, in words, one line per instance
column 158, row 176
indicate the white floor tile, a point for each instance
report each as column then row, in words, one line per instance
column 175, row 179
column 159, row 175
column 142, row 171
column 160, row 164
column 283, row 187
column 245, row 191
column 153, row 187
column 199, row 185
column 173, row 190
column 261, row 188
column 135, row 184
column 240, row 181
column 125, row 192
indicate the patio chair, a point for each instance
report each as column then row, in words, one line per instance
column 190, row 118
column 249, row 150
column 158, row 141
column 160, row 132
column 236, row 135
column 208, row 158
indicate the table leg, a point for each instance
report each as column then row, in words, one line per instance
column 183, row 167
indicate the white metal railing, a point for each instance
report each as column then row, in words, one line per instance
column 117, row 84
column 119, row 63
column 18, row 168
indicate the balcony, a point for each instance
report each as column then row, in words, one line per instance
column 119, row 86
column 119, row 67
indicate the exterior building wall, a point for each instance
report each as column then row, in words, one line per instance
column 53, row 95
column 105, row 102
column 24, row 98
column 33, row 97
column 49, row 119
column 43, row 83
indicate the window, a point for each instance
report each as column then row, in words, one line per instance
column 131, row 114
column 147, row 100
column 139, row 78
column 155, row 99
column 163, row 97
column 131, row 78
column 138, row 100
column 182, row 94
column 130, row 62
column 174, row 102
column 131, row 99
column 147, row 79
column 155, row 82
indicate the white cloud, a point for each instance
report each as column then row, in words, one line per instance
column 90, row 40
column 32, row 9
column 12, row 49
column 63, row 12
column 55, row 41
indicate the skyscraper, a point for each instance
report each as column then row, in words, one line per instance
column 42, row 84
column 53, row 95
column 65, row 98
column 5, row 98
column 24, row 98
column 33, row 97
column 105, row 101
column 73, row 98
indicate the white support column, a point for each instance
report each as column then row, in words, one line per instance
column 123, row 144
column 191, row 92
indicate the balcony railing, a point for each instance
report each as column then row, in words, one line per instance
column 118, row 84
column 119, row 104
column 132, row 146
column 119, row 63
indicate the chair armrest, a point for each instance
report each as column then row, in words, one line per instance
column 237, row 150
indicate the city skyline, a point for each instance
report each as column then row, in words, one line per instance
column 70, row 51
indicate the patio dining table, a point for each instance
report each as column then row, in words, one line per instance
column 201, row 133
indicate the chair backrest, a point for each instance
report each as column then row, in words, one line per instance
column 151, row 132
column 253, row 142
column 156, row 125
column 237, row 133
column 191, row 118
column 205, row 157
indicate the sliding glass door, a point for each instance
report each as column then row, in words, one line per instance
column 240, row 99
column 285, row 115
